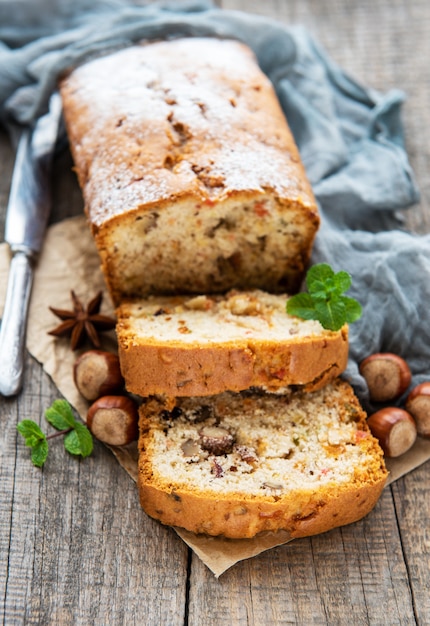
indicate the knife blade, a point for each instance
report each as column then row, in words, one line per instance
column 27, row 216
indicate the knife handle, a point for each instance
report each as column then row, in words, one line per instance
column 13, row 325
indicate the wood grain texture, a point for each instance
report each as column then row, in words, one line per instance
column 75, row 548
column 356, row 573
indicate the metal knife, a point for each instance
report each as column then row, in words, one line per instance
column 26, row 220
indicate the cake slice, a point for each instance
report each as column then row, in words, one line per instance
column 203, row 345
column 240, row 464
column 191, row 177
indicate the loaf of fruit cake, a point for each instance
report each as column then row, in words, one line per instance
column 191, row 178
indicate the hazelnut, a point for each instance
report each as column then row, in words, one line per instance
column 387, row 376
column 97, row 373
column 418, row 405
column 216, row 440
column 190, row 448
column 113, row 420
column 394, row 428
column 270, row 485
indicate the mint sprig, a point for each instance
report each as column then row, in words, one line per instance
column 34, row 439
column 325, row 301
column 77, row 438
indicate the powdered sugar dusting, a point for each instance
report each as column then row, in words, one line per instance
column 188, row 116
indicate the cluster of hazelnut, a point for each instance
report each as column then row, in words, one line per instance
column 388, row 377
column 112, row 416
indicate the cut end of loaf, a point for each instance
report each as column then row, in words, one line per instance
column 195, row 245
column 240, row 464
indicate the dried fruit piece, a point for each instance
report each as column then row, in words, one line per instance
column 246, row 454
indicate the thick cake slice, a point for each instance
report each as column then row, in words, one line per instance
column 199, row 346
column 191, row 178
column 240, row 464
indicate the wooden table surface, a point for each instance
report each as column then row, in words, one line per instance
column 75, row 547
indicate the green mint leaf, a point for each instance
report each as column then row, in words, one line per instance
column 60, row 415
column 301, row 305
column 85, row 438
column 331, row 315
column 31, row 432
column 320, row 280
column 39, row 453
column 343, row 282
column 353, row 309
column 34, row 439
column 79, row 441
column 325, row 302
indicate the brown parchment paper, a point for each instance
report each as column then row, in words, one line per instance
column 69, row 260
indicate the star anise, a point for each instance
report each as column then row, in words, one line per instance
column 83, row 322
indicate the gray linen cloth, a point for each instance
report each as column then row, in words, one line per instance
column 350, row 138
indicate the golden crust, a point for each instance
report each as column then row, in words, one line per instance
column 300, row 514
column 299, row 511
column 178, row 369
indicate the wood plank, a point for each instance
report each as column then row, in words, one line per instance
column 356, row 571
column 75, row 547
column 412, row 506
